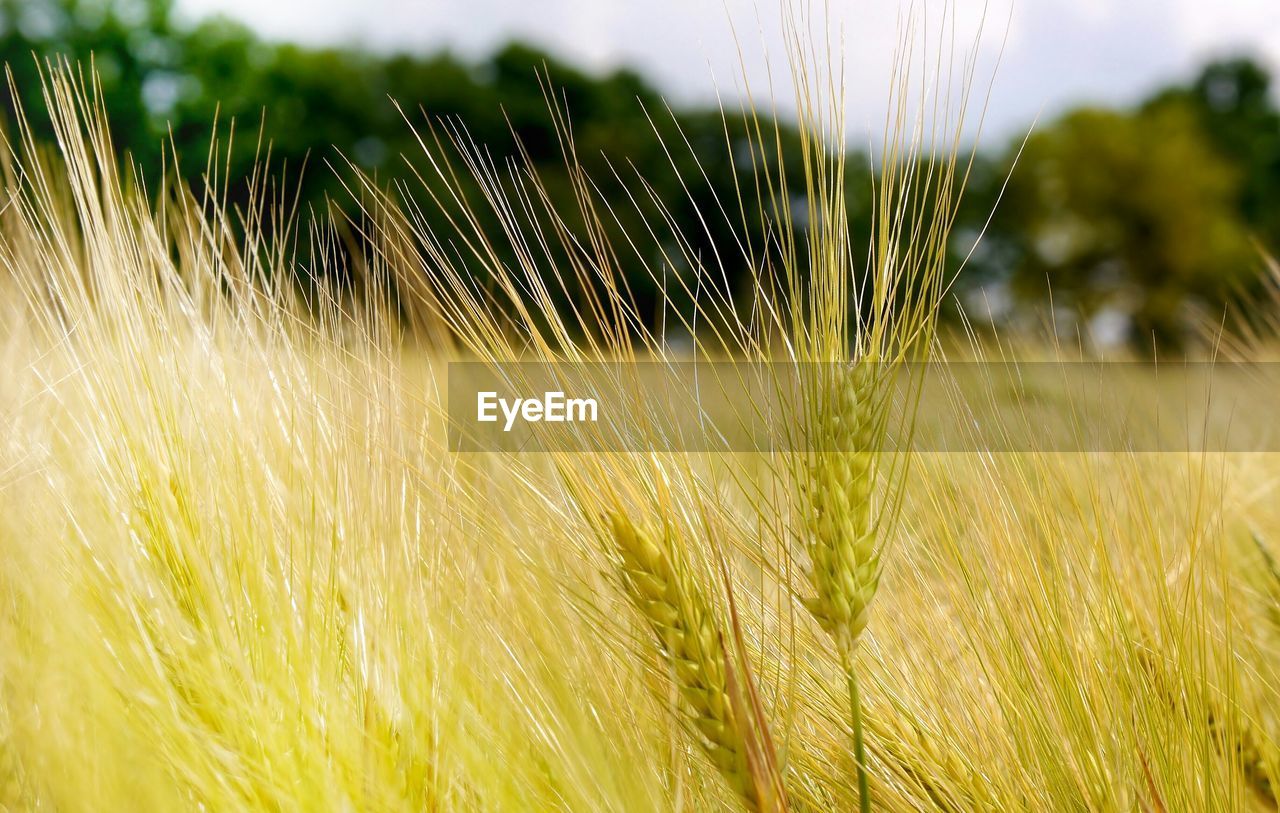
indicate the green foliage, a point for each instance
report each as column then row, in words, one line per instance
column 1149, row 213
column 1130, row 211
column 165, row 85
column 1234, row 104
column 1155, row 214
column 163, row 82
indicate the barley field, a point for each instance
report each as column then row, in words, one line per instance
column 242, row 568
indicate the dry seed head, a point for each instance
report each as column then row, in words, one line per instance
column 663, row 588
column 934, row 767
column 844, row 556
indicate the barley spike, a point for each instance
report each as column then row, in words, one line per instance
column 663, row 588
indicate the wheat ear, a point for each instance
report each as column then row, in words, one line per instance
column 662, row 586
column 845, row 559
column 933, row 767
column 843, row 550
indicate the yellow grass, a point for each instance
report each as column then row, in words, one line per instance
column 240, row 568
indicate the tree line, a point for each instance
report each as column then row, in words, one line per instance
column 1151, row 219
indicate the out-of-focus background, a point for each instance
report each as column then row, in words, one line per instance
column 1139, row 211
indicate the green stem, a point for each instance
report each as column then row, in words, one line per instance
column 859, row 750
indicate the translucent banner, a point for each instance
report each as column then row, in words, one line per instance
column 726, row 406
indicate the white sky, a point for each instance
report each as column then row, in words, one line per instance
column 1058, row 52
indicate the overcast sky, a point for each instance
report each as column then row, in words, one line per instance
column 1058, row 52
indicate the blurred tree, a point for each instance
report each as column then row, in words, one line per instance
column 164, row 84
column 127, row 42
column 1134, row 212
column 1146, row 212
column 1235, row 106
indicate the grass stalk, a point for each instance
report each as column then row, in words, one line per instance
column 859, row 748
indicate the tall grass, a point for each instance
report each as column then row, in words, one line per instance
column 240, row 568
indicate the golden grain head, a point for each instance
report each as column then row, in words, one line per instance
column 669, row 596
column 837, row 492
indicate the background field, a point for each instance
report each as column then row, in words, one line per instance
column 241, row 568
